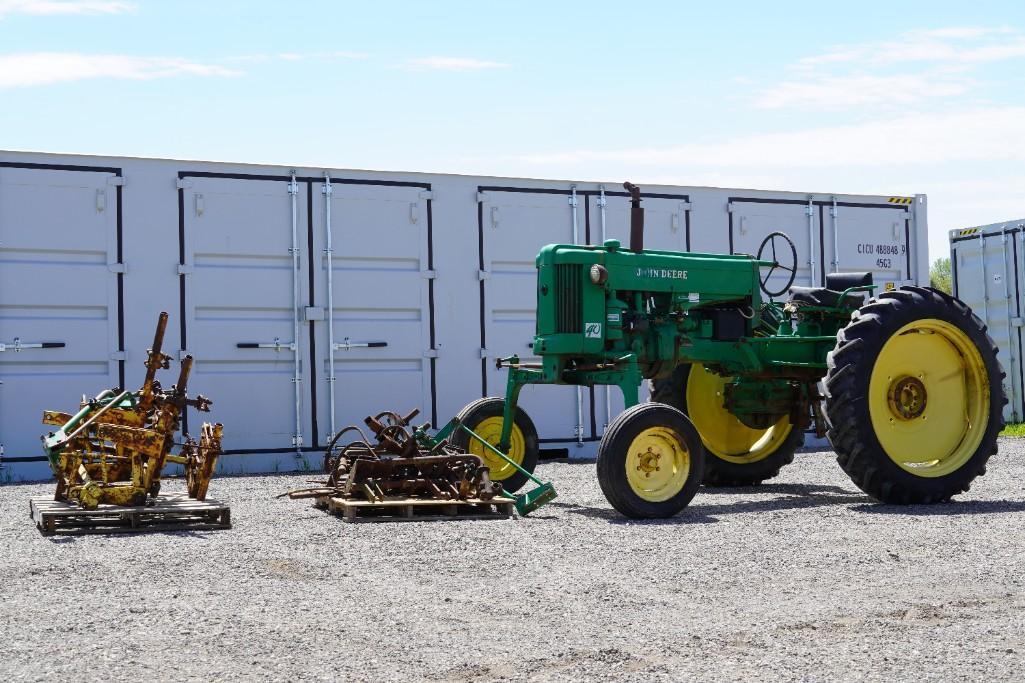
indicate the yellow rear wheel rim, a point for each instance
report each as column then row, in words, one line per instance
column 490, row 429
column 929, row 398
column 657, row 464
column 722, row 433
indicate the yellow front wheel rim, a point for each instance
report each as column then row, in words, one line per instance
column 929, row 398
column 657, row 464
column 490, row 429
column 721, row 432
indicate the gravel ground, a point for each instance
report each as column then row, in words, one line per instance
column 803, row 578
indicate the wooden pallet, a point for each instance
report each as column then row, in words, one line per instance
column 416, row 509
column 175, row 512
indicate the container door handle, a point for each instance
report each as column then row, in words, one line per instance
column 346, row 344
column 18, row 345
column 277, row 345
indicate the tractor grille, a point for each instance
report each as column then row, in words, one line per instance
column 568, row 315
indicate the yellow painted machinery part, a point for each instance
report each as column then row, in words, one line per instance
column 657, row 464
column 490, row 429
column 929, row 398
column 721, row 432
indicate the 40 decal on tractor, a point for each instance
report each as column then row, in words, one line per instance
column 913, row 390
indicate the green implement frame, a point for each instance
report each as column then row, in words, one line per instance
column 525, row 502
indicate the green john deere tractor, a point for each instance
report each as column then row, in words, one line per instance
column 912, row 400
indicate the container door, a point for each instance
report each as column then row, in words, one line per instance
column 988, row 279
column 59, row 330
column 751, row 222
column 239, row 309
column 380, row 349
column 666, row 227
column 871, row 239
column 513, row 228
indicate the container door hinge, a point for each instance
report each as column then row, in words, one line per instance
column 183, row 184
column 117, row 267
column 483, row 275
column 313, row 314
column 483, row 353
column 117, row 355
column 427, row 195
column 116, row 181
column 431, row 353
column 429, row 274
column 481, row 197
column 184, row 269
column 1017, row 322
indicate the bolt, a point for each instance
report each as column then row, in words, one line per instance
column 647, row 474
column 658, row 469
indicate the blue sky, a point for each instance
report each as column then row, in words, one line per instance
column 873, row 97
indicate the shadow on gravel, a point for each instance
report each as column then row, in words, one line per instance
column 688, row 516
column 786, row 489
column 791, row 497
column 954, row 509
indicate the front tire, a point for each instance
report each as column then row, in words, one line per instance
column 650, row 461
column 914, row 396
column 485, row 417
column 736, row 455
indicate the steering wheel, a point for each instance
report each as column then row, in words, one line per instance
column 770, row 241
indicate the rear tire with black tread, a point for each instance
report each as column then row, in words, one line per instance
column 850, row 364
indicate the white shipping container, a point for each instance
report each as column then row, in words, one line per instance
column 987, row 266
column 313, row 297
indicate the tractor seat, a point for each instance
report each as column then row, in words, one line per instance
column 830, row 295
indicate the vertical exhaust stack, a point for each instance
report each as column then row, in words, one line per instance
column 636, row 218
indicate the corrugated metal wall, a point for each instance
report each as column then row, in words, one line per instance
column 432, row 279
column 988, row 272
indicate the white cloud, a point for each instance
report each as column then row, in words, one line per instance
column 842, row 92
column 52, row 7
column 964, row 45
column 453, row 64
column 42, row 68
column 919, row 65
column 994, row 134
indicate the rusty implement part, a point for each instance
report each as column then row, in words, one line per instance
column 201, row 459
column 395, row 464
column 113, row 450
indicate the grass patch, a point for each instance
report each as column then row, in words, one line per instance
column 1017, row 430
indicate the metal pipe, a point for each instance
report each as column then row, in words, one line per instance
column 1007, row 304
column 329, row 251
column 293, row 191
column 811, row 239
column 579, row 429
column 985, row 288
column 602, row 202
column 836, row 238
